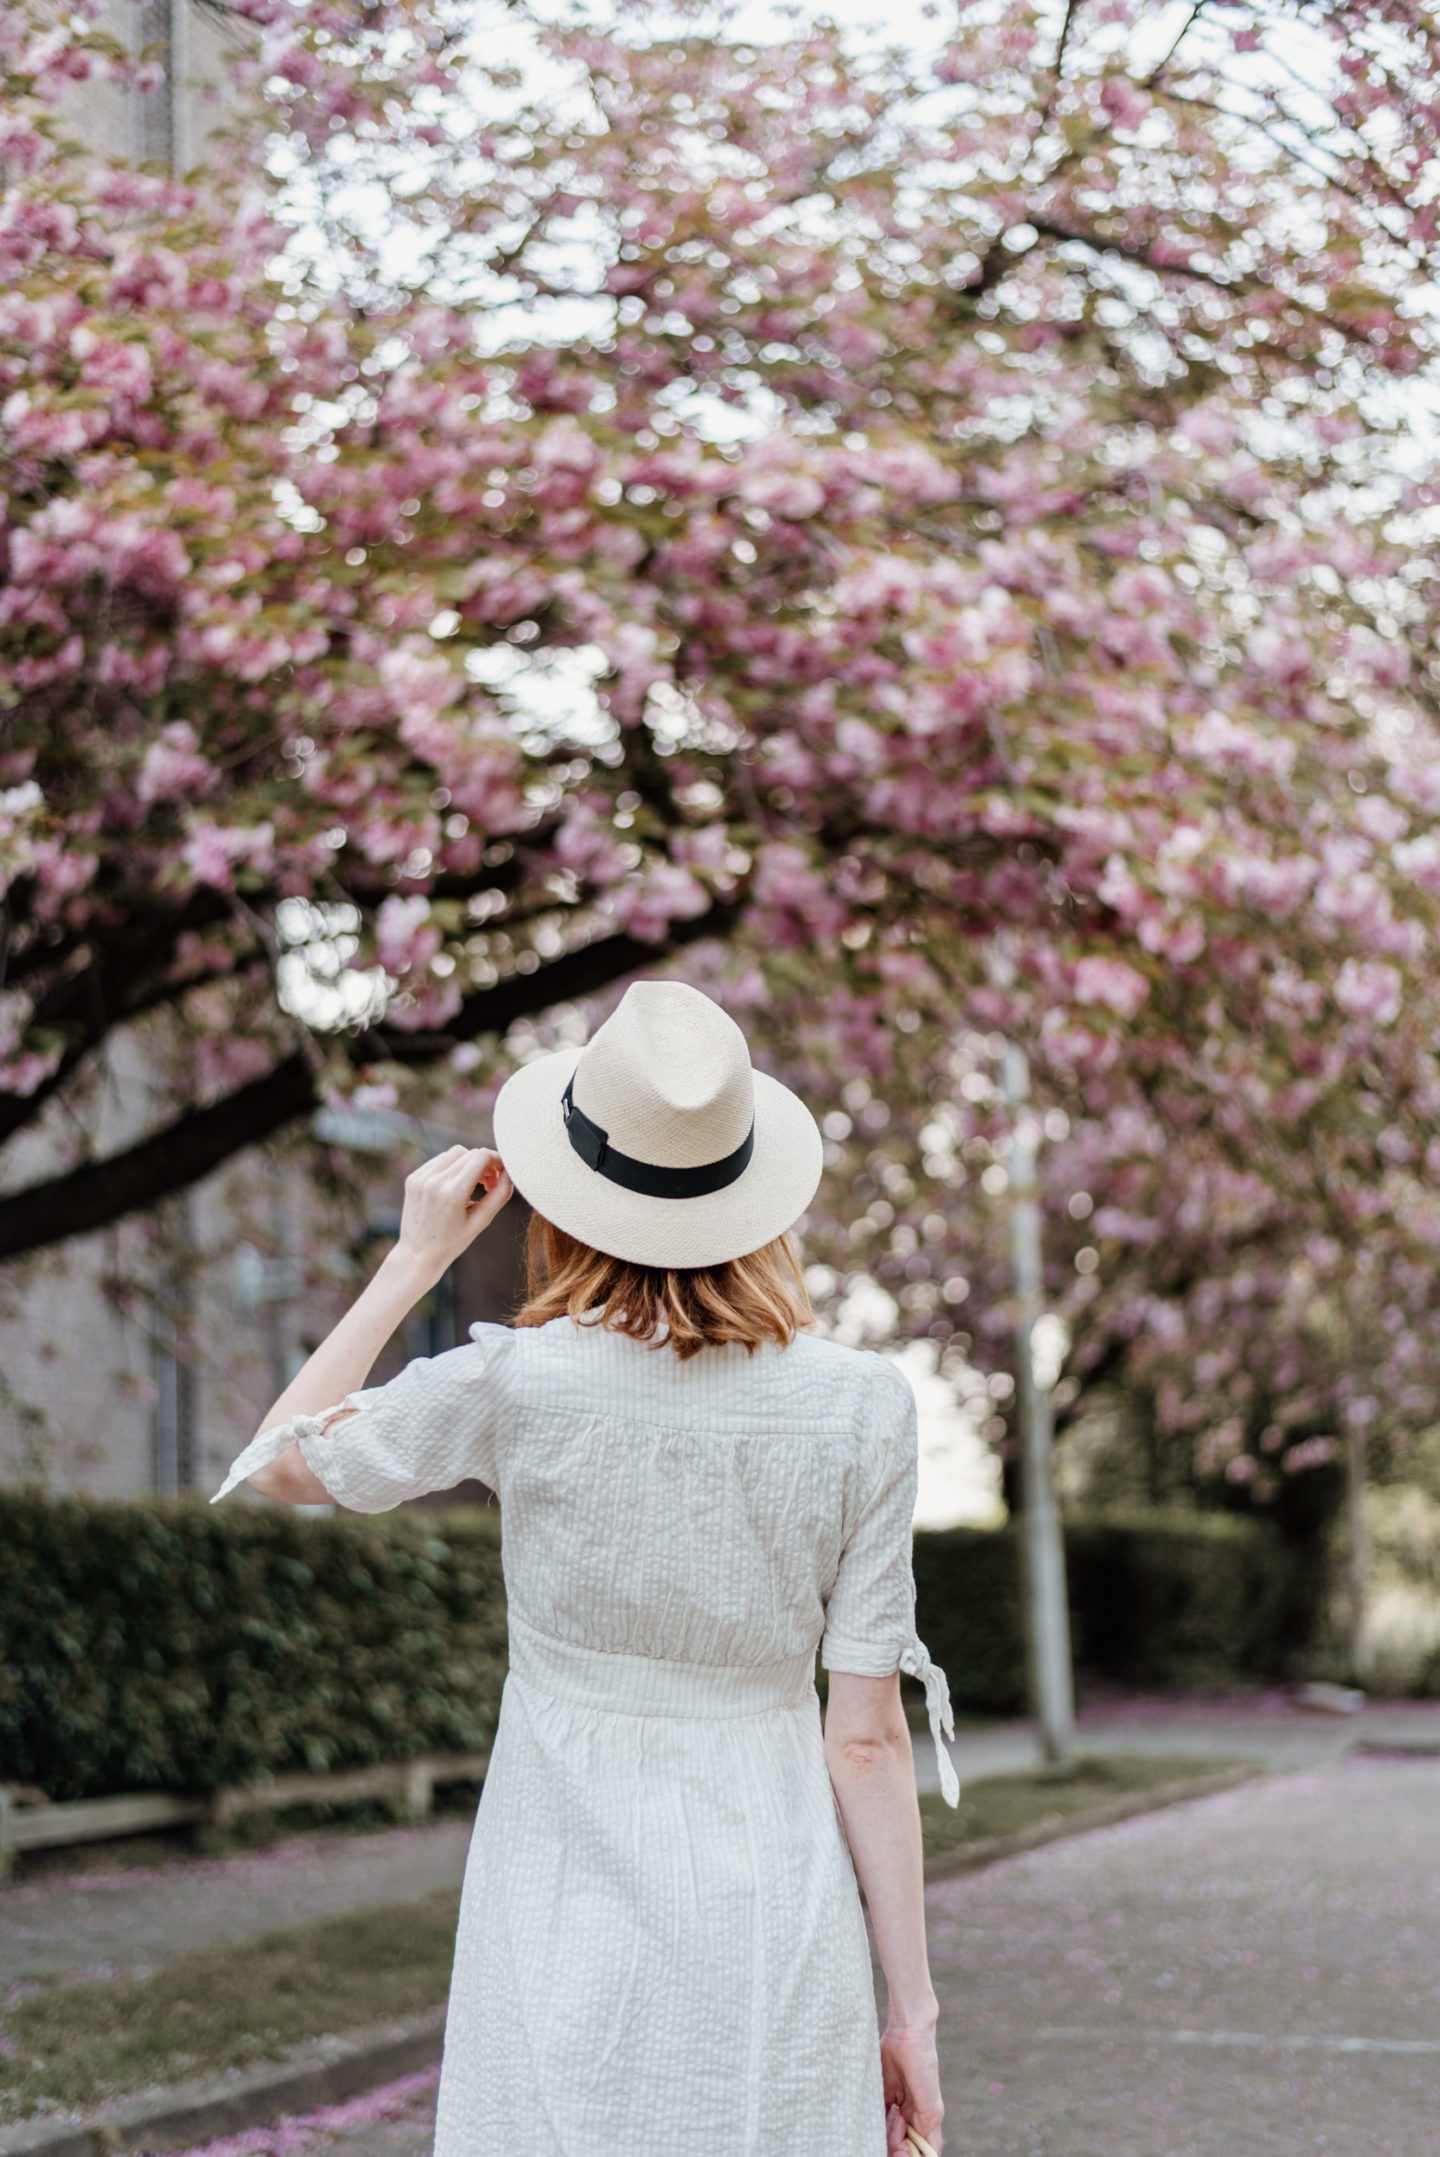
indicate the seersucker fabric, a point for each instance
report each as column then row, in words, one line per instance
column 660, row 1939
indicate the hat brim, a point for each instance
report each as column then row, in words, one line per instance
column 767, row 1198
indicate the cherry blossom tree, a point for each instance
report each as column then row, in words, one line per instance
column 587, row 492
column 1253, row 1313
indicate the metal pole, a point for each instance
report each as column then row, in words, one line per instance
column 1358, row 1553
column 1051, row 1678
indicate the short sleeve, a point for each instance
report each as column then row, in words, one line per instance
column 430, row 1428
column 870, row 1615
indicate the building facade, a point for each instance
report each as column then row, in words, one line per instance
column 193, row 46
column 142, row 1359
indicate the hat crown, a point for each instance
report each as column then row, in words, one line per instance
column 667, row 1077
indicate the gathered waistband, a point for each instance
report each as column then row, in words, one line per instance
column 651, row 1685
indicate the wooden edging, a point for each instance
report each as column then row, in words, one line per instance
column 412, row 1783
column 975, row 1856
column 188, row 2113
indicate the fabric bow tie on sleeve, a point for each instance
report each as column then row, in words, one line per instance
column 916, row 1663
column 279, row 1439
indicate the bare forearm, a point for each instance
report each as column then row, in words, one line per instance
column 875, row 1789
column 449, row 1201
column 340, row 1365
column 343, row 1361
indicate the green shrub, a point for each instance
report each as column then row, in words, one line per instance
column 968, row 1612
column 1155, row 1599
column 165, row 1646
column 1198, row 1599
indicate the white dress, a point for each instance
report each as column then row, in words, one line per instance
column 661, row 1942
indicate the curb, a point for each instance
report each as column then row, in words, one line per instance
column 178, row 2117
column 976, row 1856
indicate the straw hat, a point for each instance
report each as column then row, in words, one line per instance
column 658, row 1142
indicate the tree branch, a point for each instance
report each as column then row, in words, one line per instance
column 171, row 1160
column 201, row 1140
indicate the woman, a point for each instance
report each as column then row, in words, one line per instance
column 660, row 1941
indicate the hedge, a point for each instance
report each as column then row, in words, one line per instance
column 165, row 1646
column 1164, row 1599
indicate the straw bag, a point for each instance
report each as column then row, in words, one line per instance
column 915, row 2141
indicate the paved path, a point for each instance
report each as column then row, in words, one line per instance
column 1269, row 1728
column 120, row 1915
column 1253, row 1975
column 135, row 1917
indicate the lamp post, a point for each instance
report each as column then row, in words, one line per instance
column 1357, row 1418
column 1048, row 1614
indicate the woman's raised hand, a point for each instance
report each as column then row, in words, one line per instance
column 449, row 1200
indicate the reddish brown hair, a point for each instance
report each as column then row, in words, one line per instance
column 760, row 1297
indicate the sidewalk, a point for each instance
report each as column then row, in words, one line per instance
column 1269, row 1728
column 134, row 1917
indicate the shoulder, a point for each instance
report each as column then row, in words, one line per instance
column 893, row 1416
column 491, row 1340
column 555, row 1337
column 817, row 1362
column 890, row 1390
column 859, row 1366
column 878, row 1387
column 483, row 1357
column 517, row 1354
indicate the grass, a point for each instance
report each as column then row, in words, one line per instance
column 1008, row 1804
column 77, row 2044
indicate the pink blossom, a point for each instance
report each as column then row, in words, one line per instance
column 22, row 1074
column 586, row 843
column 425, row 1003
column 1209, row 427
column 795, row 495
column 1221, row 741
column 1369, row 989
column 1384, row 661
column 1420, row 859
column 1280, row 658
column 378, row 1095
column 405, row 937
column 1125, row 103
column 292, row 2135
column 1275, row 886
column 665, row 894
column 1310, row 1453
column 225, row 1061
column 212, row 853
column 172, row 767
column 1112, row 983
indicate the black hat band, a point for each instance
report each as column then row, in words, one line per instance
column 647, row 1177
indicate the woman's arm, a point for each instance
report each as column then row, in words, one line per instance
column 441, row 1216
column 872, row 1772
